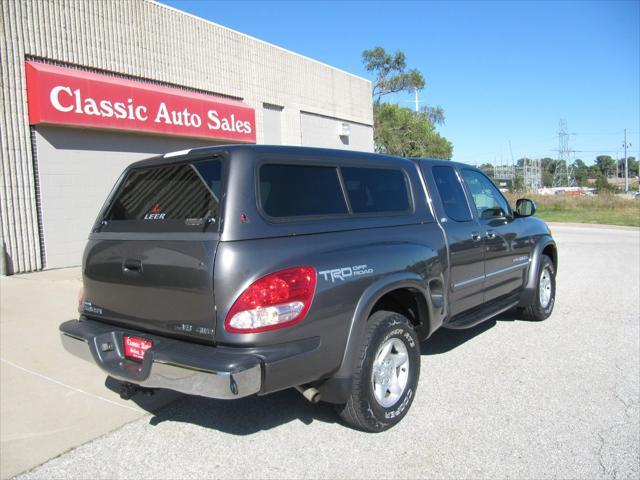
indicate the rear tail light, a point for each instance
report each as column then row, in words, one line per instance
column 278, row 300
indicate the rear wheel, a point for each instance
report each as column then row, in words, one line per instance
column 386, row 376
column 545, row 296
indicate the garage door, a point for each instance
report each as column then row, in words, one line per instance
column 76, row 170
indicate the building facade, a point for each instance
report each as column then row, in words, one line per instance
column 89, row 87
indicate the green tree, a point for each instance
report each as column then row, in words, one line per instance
column 434, row 114
column 603, row 185
column 399, row 130
column 517, row 185
column 488, row 170
column 581, row 172
column 619, row 167
column 548, row 166
column 391, row 73
column 633, row 166
column 404, row 132
column 605, row 164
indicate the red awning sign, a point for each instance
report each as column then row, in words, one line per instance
column 65, row 96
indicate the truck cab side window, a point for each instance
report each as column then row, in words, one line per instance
column 376, row 190
column 300, row 190
column 451, row 194
column 488, row 200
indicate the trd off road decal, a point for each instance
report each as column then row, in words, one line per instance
column 343, row 273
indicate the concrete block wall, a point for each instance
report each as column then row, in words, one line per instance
column 315, row 129
column 147, row 40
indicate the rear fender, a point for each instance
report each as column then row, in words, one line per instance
column 338, row 387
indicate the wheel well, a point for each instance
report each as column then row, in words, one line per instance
column 550, row 251
column 408, row 302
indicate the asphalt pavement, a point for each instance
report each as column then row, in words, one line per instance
column 507, row 399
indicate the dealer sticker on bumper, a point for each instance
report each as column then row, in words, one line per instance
column 135, row 347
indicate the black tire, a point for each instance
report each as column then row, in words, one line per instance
column 362, row 410
column 537, row 311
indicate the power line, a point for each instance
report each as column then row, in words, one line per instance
column 599, row 133
column 608, row 150
column 619, row 132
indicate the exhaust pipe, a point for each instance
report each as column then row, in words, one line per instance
column 310, row 393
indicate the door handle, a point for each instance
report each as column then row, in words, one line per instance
column 491, row 234
column 476, row 237
column 132, row 266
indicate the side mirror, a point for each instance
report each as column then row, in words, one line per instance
column 525, row 207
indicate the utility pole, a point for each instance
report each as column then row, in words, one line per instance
column 626, row 163
column 415, row 92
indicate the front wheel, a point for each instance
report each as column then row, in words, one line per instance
column 545, row 297
column 386, row 376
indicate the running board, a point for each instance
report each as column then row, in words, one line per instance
column 479, row 315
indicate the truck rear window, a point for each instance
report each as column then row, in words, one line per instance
column 299, row 190
column 183, row 194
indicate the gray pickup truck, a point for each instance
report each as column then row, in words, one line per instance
column 237, row 270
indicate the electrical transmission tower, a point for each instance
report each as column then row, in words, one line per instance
column 504, row 171
column 531, row 172
column 563, row 175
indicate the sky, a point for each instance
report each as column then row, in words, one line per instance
column 505, row 73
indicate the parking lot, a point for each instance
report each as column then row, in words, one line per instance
column 508, row 399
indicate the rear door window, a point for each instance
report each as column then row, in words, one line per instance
column 451, row 194
column 376, row 190
column 172, row 197
column 300, row 190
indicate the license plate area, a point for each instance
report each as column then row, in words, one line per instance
column 136, row 347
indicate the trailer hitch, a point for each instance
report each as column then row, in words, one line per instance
column 129, row 390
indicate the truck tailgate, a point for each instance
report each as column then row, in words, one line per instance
column 162, row 286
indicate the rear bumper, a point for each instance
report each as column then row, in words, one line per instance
column 173, row 364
